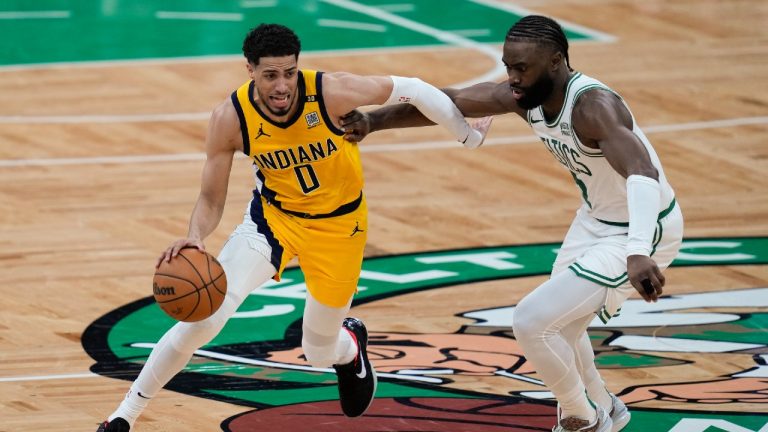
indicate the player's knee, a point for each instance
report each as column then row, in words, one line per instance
column 526, row 322
column 191, row 336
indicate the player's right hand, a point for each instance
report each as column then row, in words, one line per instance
column 175, row 247
column 356, row 125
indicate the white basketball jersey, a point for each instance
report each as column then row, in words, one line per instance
column 603, row 190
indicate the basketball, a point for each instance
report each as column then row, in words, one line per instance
column 191, row 287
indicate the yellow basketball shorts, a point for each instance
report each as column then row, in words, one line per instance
column 329, row 250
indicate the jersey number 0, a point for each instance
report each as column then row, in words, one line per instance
column 307, row 178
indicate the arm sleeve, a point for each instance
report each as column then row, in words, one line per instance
column 436, row 106
column 643, row 202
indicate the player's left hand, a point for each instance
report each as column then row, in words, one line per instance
column 482, row 125
column 645, row 276
column 356, row 125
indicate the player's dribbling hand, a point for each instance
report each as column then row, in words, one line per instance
column 175, row 247
column 356, row 125
column 645, row 276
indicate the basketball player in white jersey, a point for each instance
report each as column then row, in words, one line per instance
column 308, row 202
column 627, row 230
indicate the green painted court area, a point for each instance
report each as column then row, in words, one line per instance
column 53, row 31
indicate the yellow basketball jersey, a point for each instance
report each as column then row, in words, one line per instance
column 303, row 165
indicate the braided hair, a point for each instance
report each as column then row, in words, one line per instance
column 541, row 29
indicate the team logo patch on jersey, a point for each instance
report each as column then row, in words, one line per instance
column 312, row 119
column 565, row 128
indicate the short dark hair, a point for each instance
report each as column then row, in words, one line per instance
column 543, row 30
column 270, row 40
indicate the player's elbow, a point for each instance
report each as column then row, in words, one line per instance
column 645, row 170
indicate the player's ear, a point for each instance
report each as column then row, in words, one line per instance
column 251, row 69
column 556, row 59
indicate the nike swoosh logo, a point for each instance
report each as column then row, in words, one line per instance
column 141, row 395
column 364, row 372
column 536, row 121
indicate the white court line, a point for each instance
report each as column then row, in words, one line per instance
column 258, row 3
column 48, row 377
column 567, row 25
column 199, row 16
column 85, row 119
column 221, row 58
column 397, row 7
column 226, row 357
column 289, row 366
column 519, row 377
column 711, row 124
column 199, row 116
column 352, row 25
column 443, row 36
column 472, row 32
column 385, row 8
column 180, row 157
column 12, row 15
column 368, row 148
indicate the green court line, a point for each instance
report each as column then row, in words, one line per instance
column 126, row 30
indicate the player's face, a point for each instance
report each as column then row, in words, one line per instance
column 530, row 77
column 276, row 83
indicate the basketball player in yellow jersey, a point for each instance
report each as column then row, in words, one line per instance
column 308, row 202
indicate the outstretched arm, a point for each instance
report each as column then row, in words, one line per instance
column 344, row 92
column 601, row 119
column 479, row 100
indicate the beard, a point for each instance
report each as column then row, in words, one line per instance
column 279, row 112
column 535, row 94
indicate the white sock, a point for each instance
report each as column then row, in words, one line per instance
column 164, row 362
column 246, row 267
column 599, row 395
column 324, row 341
column 577, row 405
column 546, row 330
column 346, row 348
column 131, row 407
column 593, row 382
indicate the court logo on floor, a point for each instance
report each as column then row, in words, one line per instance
column 463, row 369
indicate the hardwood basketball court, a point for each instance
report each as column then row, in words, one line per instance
column 100, row 160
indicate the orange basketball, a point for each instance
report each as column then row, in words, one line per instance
column 191, row 287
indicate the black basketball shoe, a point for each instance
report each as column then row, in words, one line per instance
column 117, row 425
column 357, row 379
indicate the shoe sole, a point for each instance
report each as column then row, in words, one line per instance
column 607, row 421
column 604, row 422
column 373, row 373
column 621, row 421
column 375, row 383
